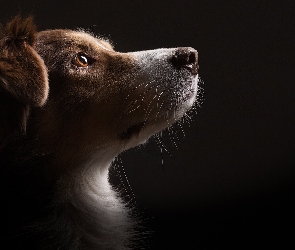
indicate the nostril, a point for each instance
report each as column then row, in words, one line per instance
column 185, row 58
column 192, row 58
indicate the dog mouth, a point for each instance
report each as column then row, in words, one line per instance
column 172, row 108
column 132, row 131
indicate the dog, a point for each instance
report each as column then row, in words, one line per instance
column 54, row 179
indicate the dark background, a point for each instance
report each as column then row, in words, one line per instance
column 230, row 183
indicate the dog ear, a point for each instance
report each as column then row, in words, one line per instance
column 23, row 76
column 22, row 71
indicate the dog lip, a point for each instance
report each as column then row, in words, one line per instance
column 132, row 130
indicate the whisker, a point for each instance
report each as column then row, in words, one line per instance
column 136, row 87
column 133, row 103
column 172, row 137
column 181, row 127
column 125, row 184
column 159, row 141
column 159, row 108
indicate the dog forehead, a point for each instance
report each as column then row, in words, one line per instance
column 61, row 38
column 84, row 38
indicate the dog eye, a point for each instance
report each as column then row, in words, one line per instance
column 82, row 60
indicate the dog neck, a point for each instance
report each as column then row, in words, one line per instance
column 91, row 210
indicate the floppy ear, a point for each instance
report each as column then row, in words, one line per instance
column 22, row 71
column 23, row 76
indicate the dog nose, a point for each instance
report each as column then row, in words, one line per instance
column 185, row 58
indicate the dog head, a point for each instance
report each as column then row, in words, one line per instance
column 103, row 100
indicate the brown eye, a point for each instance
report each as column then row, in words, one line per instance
column 81, row 60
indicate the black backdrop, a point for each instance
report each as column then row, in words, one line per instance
column 230, row 183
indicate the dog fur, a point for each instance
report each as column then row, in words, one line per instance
column 23, row 76
column 54, row 179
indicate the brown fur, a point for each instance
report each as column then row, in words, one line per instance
column 23, row 76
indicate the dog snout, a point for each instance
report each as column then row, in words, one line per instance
column 185, row 58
